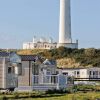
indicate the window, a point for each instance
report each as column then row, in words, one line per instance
column 93, row 72
column 19, row 69
column 13, row 69
column 9, row 70
column 57, row 72
column 96, row 72
column 65, row 73
column 74, row 72
column 78, row 72
column 90, row 73
column 48, row 72
column 35, row 69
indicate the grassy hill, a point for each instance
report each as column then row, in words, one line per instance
column 30, row 52
column 69, row 58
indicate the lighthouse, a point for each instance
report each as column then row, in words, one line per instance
column 65, row 38
column 65, row 22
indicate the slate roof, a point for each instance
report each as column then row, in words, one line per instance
column 27, row 57
column 30, row 58
column 4, row 54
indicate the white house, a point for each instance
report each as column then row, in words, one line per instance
column 83, row 74
column 39, row 74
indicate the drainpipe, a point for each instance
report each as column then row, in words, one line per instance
column 3, row 74
column 29, row 73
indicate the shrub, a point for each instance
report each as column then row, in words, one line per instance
column 85, row 87
column 70, row 90
column 56, row 91
column 30, row 94
column 16, row 95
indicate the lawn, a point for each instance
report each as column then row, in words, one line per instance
column 74, row 96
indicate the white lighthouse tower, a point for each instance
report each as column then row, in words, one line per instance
column 65, row 38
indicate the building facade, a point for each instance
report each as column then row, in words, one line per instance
column 39, row 74
column 39, row 45
column 93, row 72
column 10, row 63
column 83, row 75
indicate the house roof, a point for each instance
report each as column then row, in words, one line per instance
column 4, row 54
column 27, row 57
column 8, row 56
column 72, row 68
column 30, row 58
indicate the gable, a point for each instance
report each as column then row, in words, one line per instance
column 15, row 58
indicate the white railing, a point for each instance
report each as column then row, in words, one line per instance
column 94, row 76
column 45, row 79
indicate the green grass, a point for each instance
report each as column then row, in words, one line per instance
column 74, row 96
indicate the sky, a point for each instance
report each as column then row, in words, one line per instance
column 20, row 20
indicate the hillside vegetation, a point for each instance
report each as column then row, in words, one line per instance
column 30, row 52
column 69, row 58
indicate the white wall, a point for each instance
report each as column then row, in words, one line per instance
column 39, row 45
column 71, row 72
column 68, row 45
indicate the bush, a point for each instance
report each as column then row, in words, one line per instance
column 56, row 91
column 16, row 95
column 70, row 90
column 85, row 88
column 30, row 94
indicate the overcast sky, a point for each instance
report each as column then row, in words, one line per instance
column 20, row 20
